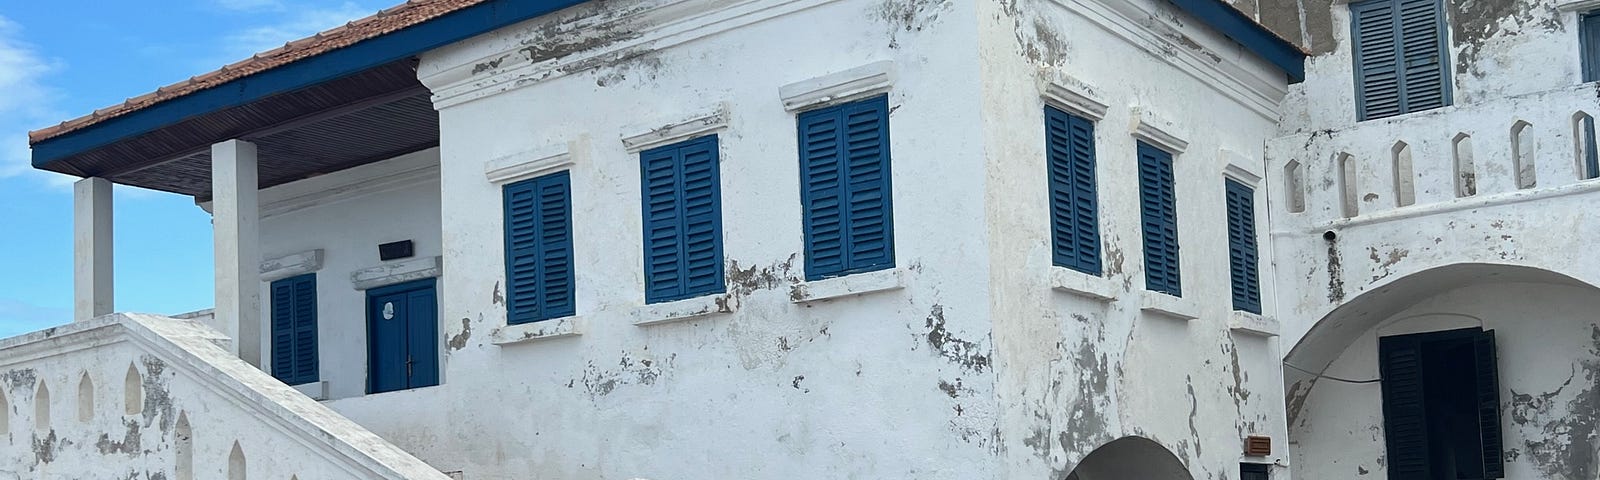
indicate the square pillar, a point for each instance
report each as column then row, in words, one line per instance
column 235, row 224
column 91, row 247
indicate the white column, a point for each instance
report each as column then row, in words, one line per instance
column 91, row 248
column 235, row 223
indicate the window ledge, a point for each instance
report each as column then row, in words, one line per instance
column 316, row 390
column 848, row 285
column 540, row 330
column 1169, row 306
column 396, row 272
column 1577, row 5
column 683, row 310
column 1253, row 324
column 859, row 82
column 1071, row 281
column 291, row 265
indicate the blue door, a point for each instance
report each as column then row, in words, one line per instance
column 402, row 337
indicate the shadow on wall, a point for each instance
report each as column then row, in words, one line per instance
column 1129, row 458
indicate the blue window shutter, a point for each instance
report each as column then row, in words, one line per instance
column 1242, row 255
column 1400, row 57
column 294, row 329
column 1405, row 420
column 1590, row 31
column 1159, row 216
column 846, row 193
column 1487, row 373
column 682, row 220
column 1074, row 217
column 538, row 228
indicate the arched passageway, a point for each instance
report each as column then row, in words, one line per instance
column 1130, row 458
column 1460, row 371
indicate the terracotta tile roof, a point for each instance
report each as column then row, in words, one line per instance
column 395, row 18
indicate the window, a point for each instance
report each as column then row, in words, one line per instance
column 1074, row 221
column 1159, row 214
column 294, row 329
column 1242, row 247
column 1255, row 471
column 844, row 165
column 1590, row 32
column 682, row 220
column 1400, row 57
column 1441, row 405
column 538, row 227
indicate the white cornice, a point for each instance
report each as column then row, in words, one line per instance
column 290, row 265
column 1227, row 75
column 1577, row 5
column 1075, row 96
column 1241, row 167
column 1158, row 131
column 528, row 164
column 677, row 131
column 847, row 85
column 669, row 25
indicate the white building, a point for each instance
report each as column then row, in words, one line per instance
column 825, row 239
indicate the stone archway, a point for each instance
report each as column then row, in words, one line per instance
column 1546, row 325
column 1130, row 458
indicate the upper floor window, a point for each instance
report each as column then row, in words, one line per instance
column 1159, row 217
column 294, row 329
column 1590, row 46
column 1242, row 255
column 1400, row 57
column 1074, row 219
column 538, row 224
column 682, row 220
column 845, row 191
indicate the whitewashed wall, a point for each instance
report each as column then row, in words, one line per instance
column 346, row 215
column 1076, row 372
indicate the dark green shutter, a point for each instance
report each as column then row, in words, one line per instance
column 1242, row 254
column 294, row 329
column 1400, row 57
column 844, row 168
column 682, row 220
column 538, row 230
column 1159, row 218
column 1405, row 420
column 1074, row 217
column 1488, row 390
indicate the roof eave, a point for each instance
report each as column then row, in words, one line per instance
column 371, row 53
column 1252, row 35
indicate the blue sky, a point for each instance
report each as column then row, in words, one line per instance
column 65, row 58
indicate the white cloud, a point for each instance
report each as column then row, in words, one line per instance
column 28, row 103
column 304, row 22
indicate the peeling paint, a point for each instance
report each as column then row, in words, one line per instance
column 459, row 340
column 969, row 355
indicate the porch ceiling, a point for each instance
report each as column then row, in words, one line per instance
column 374, row 115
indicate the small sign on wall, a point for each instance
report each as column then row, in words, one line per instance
column 395, row 250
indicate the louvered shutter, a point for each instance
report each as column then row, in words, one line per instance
column 1377, row 59
column 538, row 228
column 844, row 162
column 1074, row 217
column 683, row 220
column 1404, row 411
column 1400, row 57
column 283, row 331
column 294, row 329
column 1242, row 254
column 1488, row 392
column 1421, row 26
column 1159, row 216
column 1590, row 31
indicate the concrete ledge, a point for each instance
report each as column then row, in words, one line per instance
column 291, row 265
column 848, row 285
column 1158, row 131
column 681, row 310
column 677, row 131
column 397, row 272
column 316, row 390
column 1168, row 306
column 540, row 330
column 528, row 164
column 1253, row 324
column 855, row 83
column 1073, row 282
column 1075, row 96
column 1577, row 5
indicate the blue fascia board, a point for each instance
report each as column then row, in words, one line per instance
column 1252, row 35
column 432, row 34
